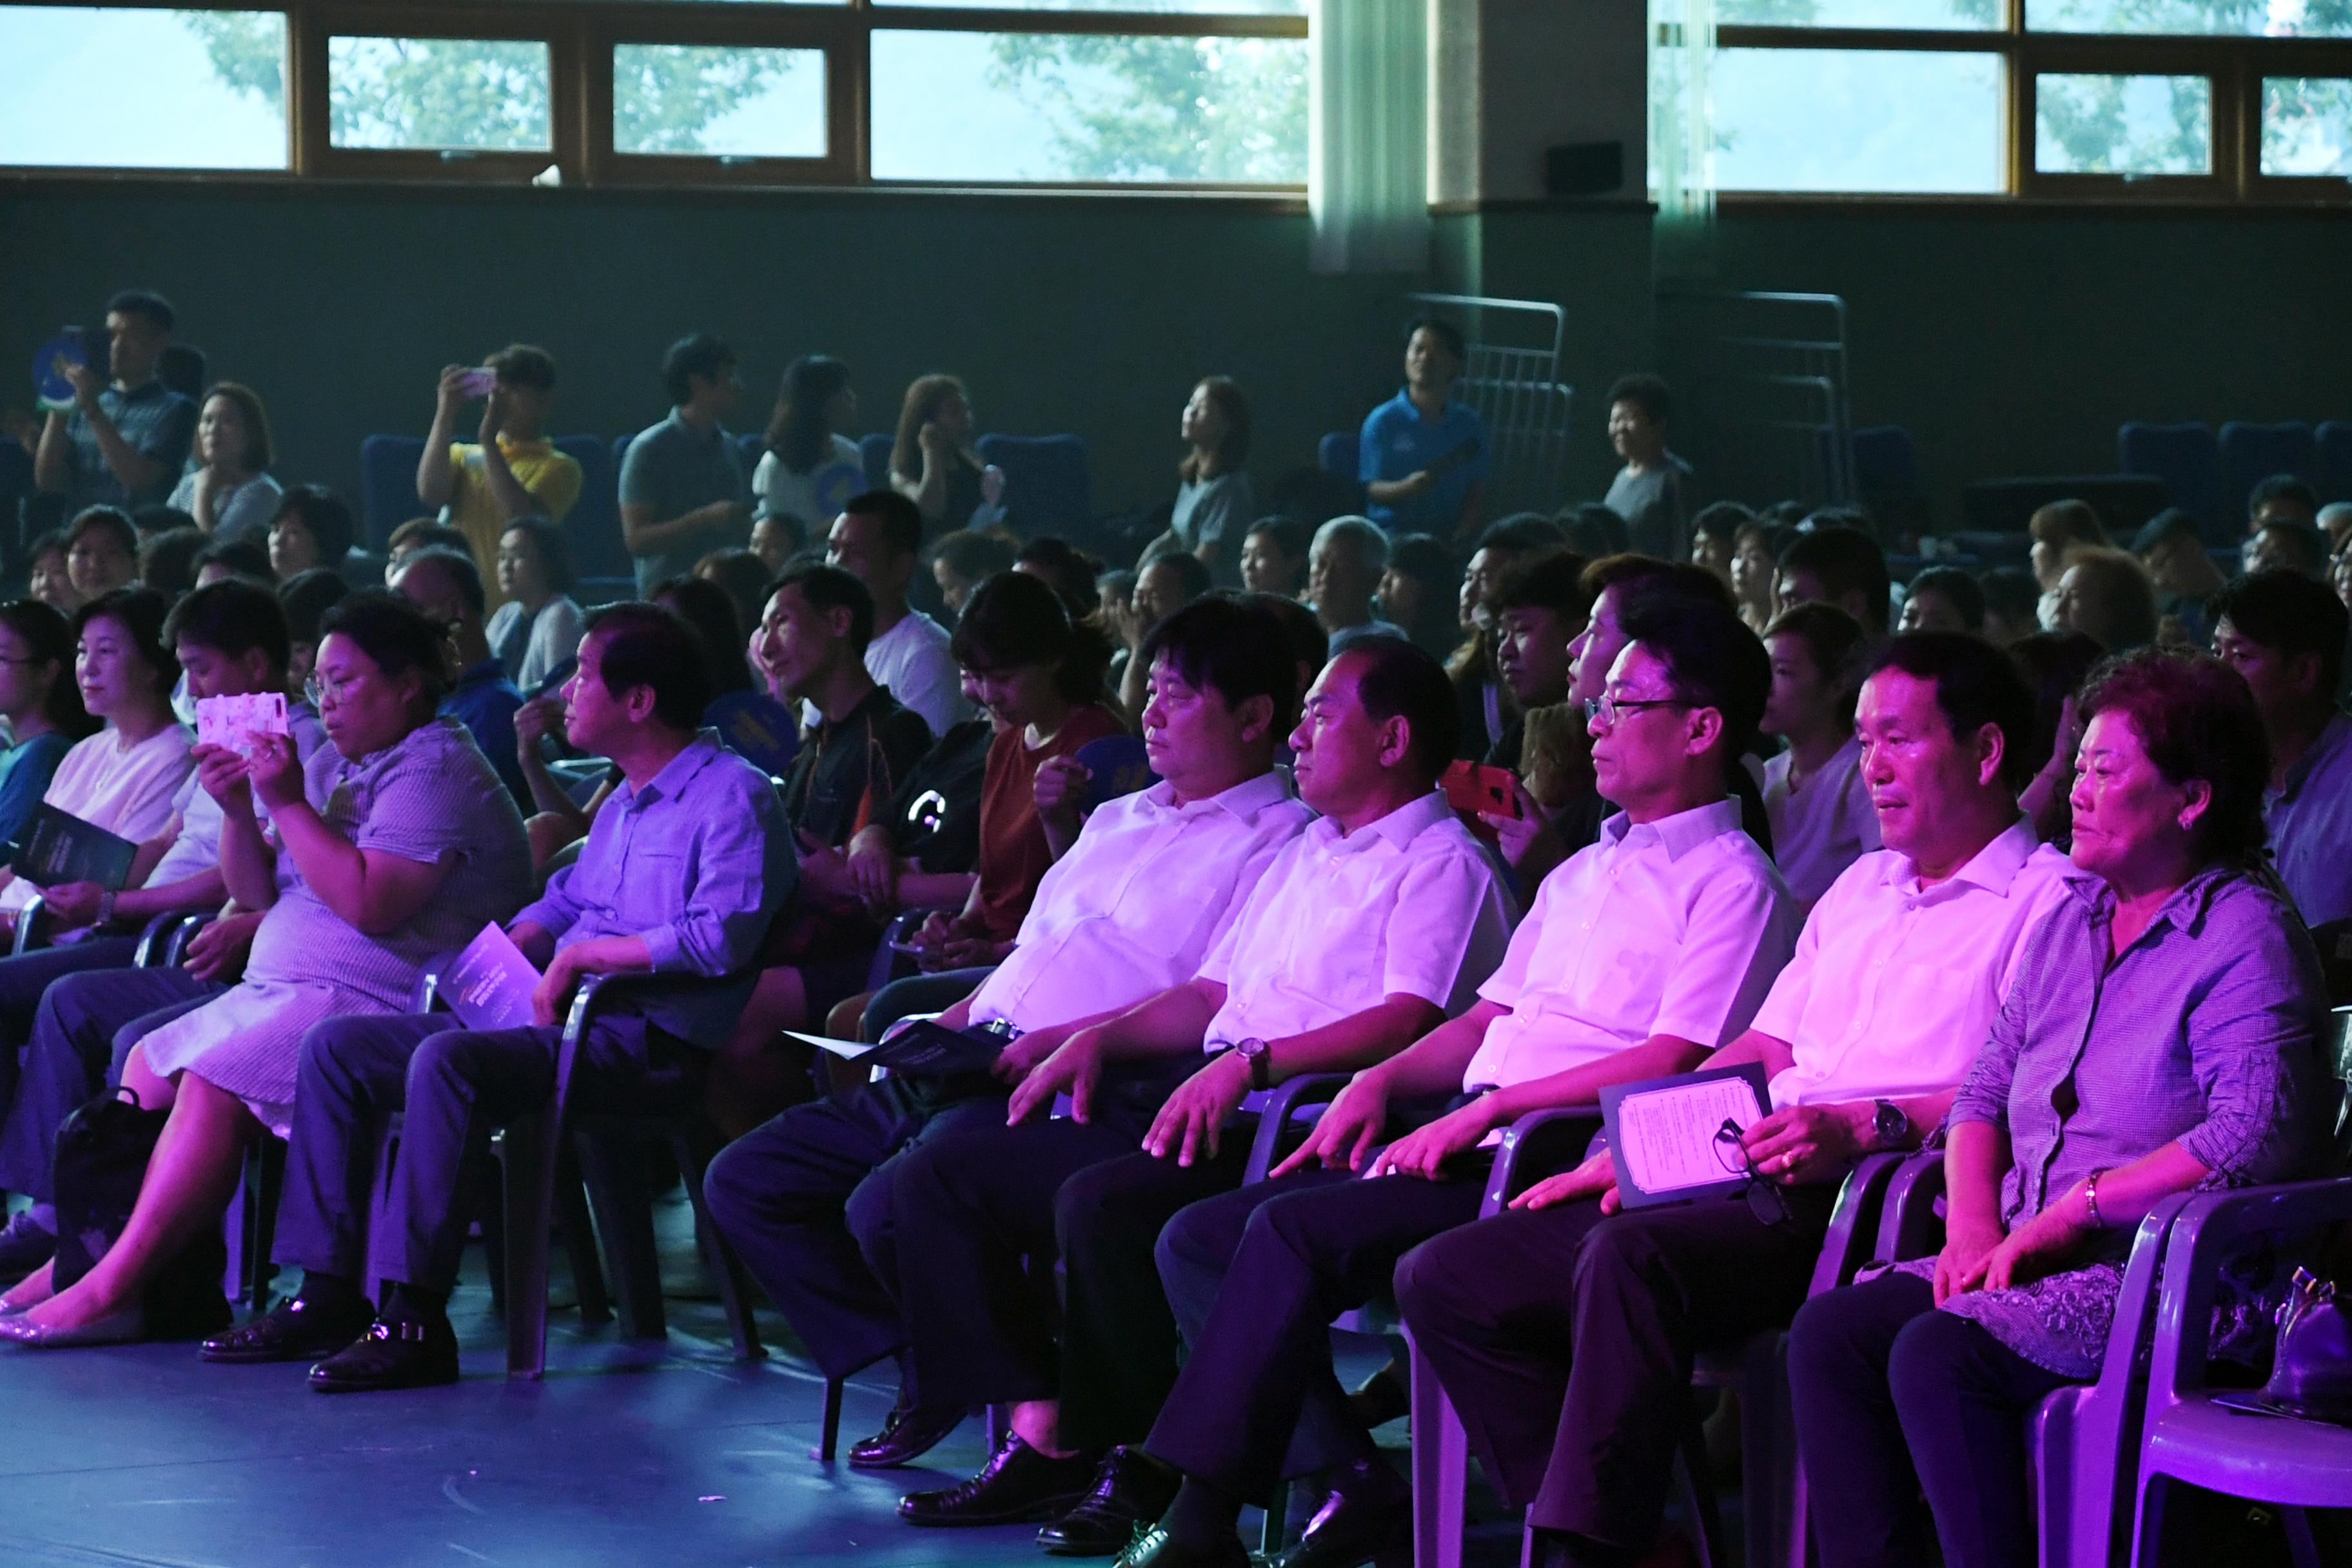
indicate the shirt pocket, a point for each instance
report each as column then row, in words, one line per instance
column 648, row 889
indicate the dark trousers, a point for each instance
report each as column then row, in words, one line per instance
column 455, row 1088
column 1255, row 1278
column 70, row 1050
column 1892, row 1397
column 975, row 1218
column 1565, row 1340
column 804, row 1200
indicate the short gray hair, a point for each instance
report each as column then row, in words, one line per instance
column 1365, row 535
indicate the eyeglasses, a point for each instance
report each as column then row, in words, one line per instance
column 320, row 691
column 1606, row 711
column 1765, row 1199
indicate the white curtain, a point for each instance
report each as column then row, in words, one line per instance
column 1682, row 131
column 1368, row 136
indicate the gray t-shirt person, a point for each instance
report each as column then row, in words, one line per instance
column 673, row 468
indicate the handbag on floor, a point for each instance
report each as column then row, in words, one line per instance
column 102, row 1154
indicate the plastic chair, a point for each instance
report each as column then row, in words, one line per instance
column 2334, row 441
column 388, row 486
column 1338, row 453
column 1046, row 488
column 2251, row 453
column 32, row 928
column 2188, row 460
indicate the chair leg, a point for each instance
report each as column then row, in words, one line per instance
column 580, row 1242
column 2299, row 1539
column 1696, row 1479
column 1768, row 1446
column 1275, row 1533
column 734, row 1284
column 619, row 1197
column 529, row 1201
column 1441, row 1469
column 829, row 1434
column 266, row 1183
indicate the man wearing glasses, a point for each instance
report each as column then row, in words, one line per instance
column 1564, row 1330
column 1644, row 952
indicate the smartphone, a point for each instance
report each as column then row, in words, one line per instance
column 478, row 381
column 1476, row 788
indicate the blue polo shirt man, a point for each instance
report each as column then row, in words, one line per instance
column 1423, row 455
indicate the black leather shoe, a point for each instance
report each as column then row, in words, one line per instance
column 395, row 1353
column 1131, row 1489
column 911, row 1432
column 1017, row 1485
column 291, row 1331
column 1366, row 1517
column 24, row 1247
column 1151, row 1548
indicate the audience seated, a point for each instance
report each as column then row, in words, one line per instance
column 244, row 558
column 1594, row 531
column 1756, row 570
column 2286, row 545
column 1943, row 599
column 230, row 641
column 423, row 534
column 1071, row 570
column 391, row 845
column 102, row 551
column 2335, row 521
column 2013, row 604
column 683, row 491
column 1649, row 949
column 313, row 527
column 2285, row 635
column 1541, row 609
column 1418, row 594
column 123, row 777
column 510, row 470
column 1422, row 454
column 961, row 560
column 2281, row 498
column 745, row 578
column 1310, row 651
column 1373, row 925
column 1564, row 1330
column 127, row 436
column 1715, row 537
column 1274, row 557
column 1343, row 572
column 934, row 463
column 683, row 874
column 1840, row 567
column 1214, row 502
column 878, row 540
column 167, row 561
column 747, row 716
column 48, row 578
column 805, row 439
column 228, row 491
column 2173, row 550
column 1171, row 580
column 2162, row 1035
column 2054, row 664
column 536, row 630
column 1151, row 885
column 1477, row 685
column 1652, row 491
column 2057, row 529
column 448, row 588
column 777, row 537
column 306, row 597
column 1813, row 789
column 2106, row 595
column 42, row 703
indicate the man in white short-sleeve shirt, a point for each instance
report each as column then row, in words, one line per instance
column 1562, row 1328
column 1153, row 879
column 1373, row 925
column 1645, row 951
column 878, row 540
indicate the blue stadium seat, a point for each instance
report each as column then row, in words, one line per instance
column 388, row 486
column 755, row 444
column 2335, row 443
column 1045, row 483
column 2253, row 453
column 1116, row 765
column 593, row 524
column 1338, row 453
column 874, row 452
column 1884, row 462
column 2188, row 460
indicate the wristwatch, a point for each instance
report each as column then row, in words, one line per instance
column 1891, row 1125
column 1260, row 1057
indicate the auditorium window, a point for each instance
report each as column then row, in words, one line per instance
column 438, row 94
column 2123, row 124
column 208, row 87
column 735, row 104
column 2307, row 127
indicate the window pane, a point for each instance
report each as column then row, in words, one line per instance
column 479, row 93
column 2259, row 18
column 1180, row 7
column 2123, row 124
column 1049, row 106
column 729, row 102
column 1856, row 120
column 2307, row 125
column 1951, row 15
column 209, row 87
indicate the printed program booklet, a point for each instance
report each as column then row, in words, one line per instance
column 1663, row 1132
column 58, row 847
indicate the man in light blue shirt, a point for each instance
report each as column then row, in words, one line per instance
column 682, row 874
column 1422, row 456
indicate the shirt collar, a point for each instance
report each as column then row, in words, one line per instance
column 1679, row 833
column 671, row 781
column 1993, row 868
column 2185, row 910
column 475, row 674
column 2331, row 740
column 1242, row 800
column 870, row 708
column 1396, row 830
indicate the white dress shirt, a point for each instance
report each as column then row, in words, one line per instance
column 1411, row 904
column 1821, row 826
column 1895, row 986
column 1675, row 927
column 1139, row 900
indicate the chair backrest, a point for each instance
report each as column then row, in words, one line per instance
column 1116, row 765
column 2123, row 502
column 753, row 445
column 1885, row 461
column 874, row 451
column 388, row 486
column 2253, row 453
column 2188, row 460
column 2334, row 440
column 593, row 524
column 1338, row 453
column 1045, row 482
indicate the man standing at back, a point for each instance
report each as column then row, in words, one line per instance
column 685, row 488
column 513, row 471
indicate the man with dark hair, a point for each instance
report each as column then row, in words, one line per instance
column 247, row 558
column 1652, row 491
column 448, row 587
column 1943, row 599
column 811, row 646
column 102, row 551
column 63, row 1002
column 1841, row 566
column 1422, row 454
column 878, row 540
column 128, row 435
column 511, row 469
column 1540, row 611
column 2281, row 498
column 1564, row 1328
column 307, row 598
column 685, row 489
column 683, row 870
column 2285, row 545
column 2285, row 635
column 1645, row 952
column 1151, row 885
column 1371, row 926
column 2172, row 549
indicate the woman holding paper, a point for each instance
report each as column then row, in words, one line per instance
column 395, row 842
column 123, row 778
column 2161, row 1036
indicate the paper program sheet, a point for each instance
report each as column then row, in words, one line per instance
column 1666, row 1136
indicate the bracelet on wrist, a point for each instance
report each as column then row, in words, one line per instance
column 2090, row 1199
